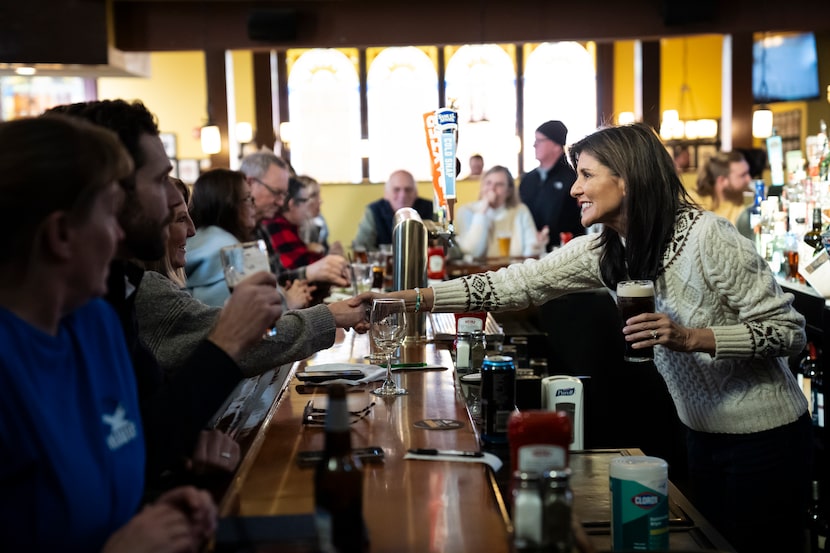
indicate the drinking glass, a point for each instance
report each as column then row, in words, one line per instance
column 363, row 276
column 503, row 240
column 388, row 328
column 241, row 261
column 388, row 264
column 633, row 298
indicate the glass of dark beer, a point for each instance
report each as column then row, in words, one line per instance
column 633, row 298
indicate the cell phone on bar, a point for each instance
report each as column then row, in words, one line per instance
column 325, row 376
column 371, row 454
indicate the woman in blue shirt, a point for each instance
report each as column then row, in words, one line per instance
column 71, row 442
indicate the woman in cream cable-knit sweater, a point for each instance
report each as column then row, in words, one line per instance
column 723, row 329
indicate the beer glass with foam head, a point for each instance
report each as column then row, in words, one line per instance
column 633, row 298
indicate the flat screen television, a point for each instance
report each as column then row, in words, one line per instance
column 788, row 65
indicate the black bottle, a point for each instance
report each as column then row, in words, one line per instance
column 813, row 236
column 338, row 483
column 816, row 523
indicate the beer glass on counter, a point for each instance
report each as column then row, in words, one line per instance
column 633, row 298
column 503, row 240
column 241, row 261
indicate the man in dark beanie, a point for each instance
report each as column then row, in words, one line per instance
column 546, row 189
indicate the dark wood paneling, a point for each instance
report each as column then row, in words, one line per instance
column 742, row 90
column 651, row 83
column 182, row 25
column 37, row 32
column 605, row 83
column 217, row 107
column 263, row 100
column 282, row 95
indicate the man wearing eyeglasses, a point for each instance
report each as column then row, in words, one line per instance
column 268, row 176
column 546, row 190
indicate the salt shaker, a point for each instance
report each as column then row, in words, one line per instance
column 527, row 511
column 463, row 345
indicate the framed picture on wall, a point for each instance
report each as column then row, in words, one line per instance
column 168, row 139
column 189, row 170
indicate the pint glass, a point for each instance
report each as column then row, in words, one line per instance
column 633, row 298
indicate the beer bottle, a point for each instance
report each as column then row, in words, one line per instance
column 338, row 483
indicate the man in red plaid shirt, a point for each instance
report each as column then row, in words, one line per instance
column 285, row 228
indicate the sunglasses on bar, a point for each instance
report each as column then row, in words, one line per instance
column 317, row 417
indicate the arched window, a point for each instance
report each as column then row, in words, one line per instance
column 559, row 83
column 481, row 83
column 324, row 111
column 402, row 85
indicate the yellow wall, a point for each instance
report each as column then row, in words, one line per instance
column 343, row 204
column 243, row 82
column 175, row 92
column 623, row 77
column 703, row 76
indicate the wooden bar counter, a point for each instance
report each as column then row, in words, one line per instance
column 409, row 505
column 412, row 505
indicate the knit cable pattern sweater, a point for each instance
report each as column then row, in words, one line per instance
column 711, row 277
column 172, row 323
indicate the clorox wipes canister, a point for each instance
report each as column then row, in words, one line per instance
column 639, row 503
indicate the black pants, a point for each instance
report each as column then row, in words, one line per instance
column 754, row 488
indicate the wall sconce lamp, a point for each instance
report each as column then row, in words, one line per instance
column 285, row 134
column 211, row 139
column 244, row 132
column 626, row 118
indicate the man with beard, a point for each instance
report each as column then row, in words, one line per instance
column 721, row 184
column 174, row 411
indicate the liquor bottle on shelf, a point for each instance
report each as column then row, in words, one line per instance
column 755, row 214
column 769, row 208
column 813, row 236
column 338, row 483
column 806, row 372
column 816, row 522
column 817, row 391
column 824, row 152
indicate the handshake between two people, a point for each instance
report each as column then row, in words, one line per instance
column 255, row 306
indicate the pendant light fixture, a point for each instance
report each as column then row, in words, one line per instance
column 672, row 127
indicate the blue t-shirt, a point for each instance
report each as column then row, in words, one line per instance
column 71, row 443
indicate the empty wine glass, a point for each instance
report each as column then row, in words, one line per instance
column 388, row 328
column 241, row 261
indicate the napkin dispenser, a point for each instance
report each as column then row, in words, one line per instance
column 565, row 393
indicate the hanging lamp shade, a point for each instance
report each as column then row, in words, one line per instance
column 762, row 123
